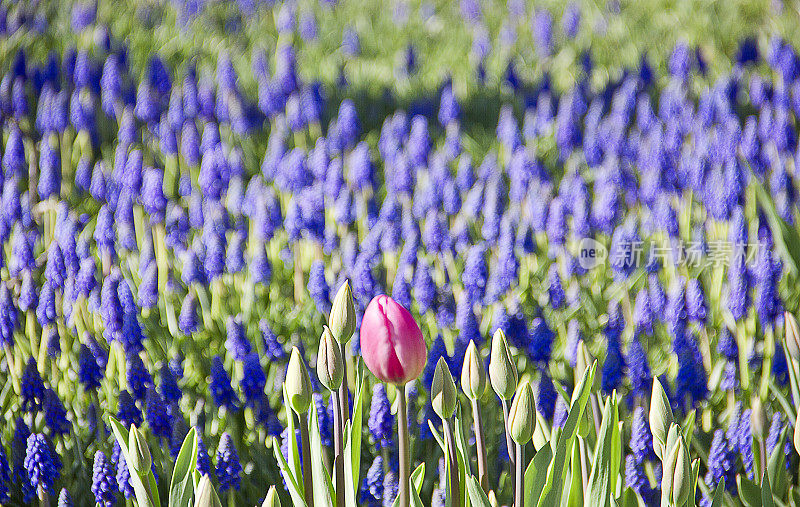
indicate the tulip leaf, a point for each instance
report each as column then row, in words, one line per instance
column 688, row 427
column 293, row 460
column 628, row 498
column 536, row 475
column 766, row 492
column 414, row 498
column 551, row 494
column 749, row 493
column 181, row 487
column 464, row 468
column 291, row 484
column 415, row 482
column 616, row 450
column 352, row 447
column 690, row 502
column 776, row 468
column 719, row 494
column 437, row 436
column 477, row 496
column 417, row 477
column 600, row 477
column 575, row 498
column 323, row 488
column 142, row 493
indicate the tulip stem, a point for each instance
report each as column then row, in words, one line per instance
column 344, row 391
column 308, row 488
column 519, row 480
column 338, row 444
column 403, row 449
column 477, row 421
column 455, row 490
column 509, row 443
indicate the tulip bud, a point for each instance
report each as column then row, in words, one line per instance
column 443, row 391
column 298, row 383
column 473, row 374
column 792, row 335
column 758, row 418
column 205, row 495
column 502, row 370
column 272, row 499
column 330, row 367
column 342, row 319
column 522, row 416
column 661, row 418
column 391, row 342
column 139, row 452
column 677, row 478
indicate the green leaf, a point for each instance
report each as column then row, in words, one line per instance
column 437, row 436
column 352, row 448
column 719, row 494
column 181, row 487
column 414, row 498
column 784, row 235
column 143, row 497
column 749, row 493
column 415, row 481
column 323, row 488
column 551, row 493
column 600, row 477
column 688, row 427
column 462, row 453
column 536, row 475
column 616, row 451
column 690, row 502
column 295, row 490
column 628, row 498
column 476, row 493
column 575, row 496
column 766, row 492
column 776, row 468
column 293, row 461
column 418, row 477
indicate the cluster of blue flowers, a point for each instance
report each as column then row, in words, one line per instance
column 167, row 235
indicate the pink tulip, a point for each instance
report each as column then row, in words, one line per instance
column 391, row 342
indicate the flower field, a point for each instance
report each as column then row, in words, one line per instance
column 342, row 253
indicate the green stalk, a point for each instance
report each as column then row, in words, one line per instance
column 766, row 368
column 44, row 499
column 308, row 487
column 338, row 446
column 509, row 443
column 344, row 391
column 480, row 445
column 403, row 448
column 455, row 489
column 519, row 480
column 741, row 341
column 14, row 366
column 42, row 357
